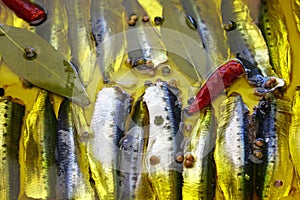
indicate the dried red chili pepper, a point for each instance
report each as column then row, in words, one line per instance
column 220, row 79
column 30, row 12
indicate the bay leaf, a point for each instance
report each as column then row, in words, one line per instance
column 48, row 69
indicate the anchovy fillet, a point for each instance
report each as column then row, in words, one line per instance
column 234, row 169
column 165, row 137
column 274, row 175
column 198, row 179
column 39, row 149
column 108, row 124
column 11, row 116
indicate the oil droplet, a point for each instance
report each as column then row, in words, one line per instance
column 154, row 160
column 258, row 154
column 131, row 22
column 158, row 20
column 134, row 17
column 278, row 183
column 159, row 120
column 188, row 164
column 259, row 142
column 229, row 26
column 173, row 82
column 189, row 157
column 145, row 18
column 190, row 21
column 166, row 70
column 188, row 127
column 247, row 177
column 30, row 53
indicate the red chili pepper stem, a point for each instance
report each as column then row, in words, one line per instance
column 28, row 11
column 219, row 80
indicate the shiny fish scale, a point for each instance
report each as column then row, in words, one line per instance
column 79, row 33
column 164, row 142
column 198, row 181
column 234, row 169
column 274, row 29
column 73, row 179
column 273, row 120
column 246, row 40
column 208, row 18
column 134, row 183
column 294, row 137
column 11, row 116
column 296, row 12
column 108, row 124
column 39, row 149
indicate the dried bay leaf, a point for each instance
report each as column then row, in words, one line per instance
column 48, row 69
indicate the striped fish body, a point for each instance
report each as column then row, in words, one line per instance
column 108, row 27
column 73, row 173
column 79, row 33
column 209, row 26
column 294, row 137
column 11, row 116
column 165, row 137
column 274, row 175
column 198, row 177
column 39, row 149
column 244, row 38
column 232, row 150
column 133, row 145
column 108, row 123
column 274, row 30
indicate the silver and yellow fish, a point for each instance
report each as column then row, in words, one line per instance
column 234, row 169
column 274, row 29
column 39, row 165
column 165, row 137
column 294, row 135
column 243, row 35
column 79, row 33
column 11, row 118
column 274, row 175
column 198, row 168
column 73, row 172
column 134, row 183
column 108, row 125
column 108, row 28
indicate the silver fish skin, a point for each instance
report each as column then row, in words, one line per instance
column 232, row 150
column 207, row 15
column 134, row 183
column 244, row 37
column 108, row 125
column 40, row 167
column 11, row 118
column 73, row 176
column 108, row 28
column 79, row 33
column 199, row 175
column 165, row 138
column 274, row 175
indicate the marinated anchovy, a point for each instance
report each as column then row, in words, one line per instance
column 165, row 137
column 108, row 123
column 11, row 116
column 296, row 12
column 198, row 167
column 243, row 35
column 79, row 32
column 134, row 183
column 209, row 26
column 73, row 172
column 108, row 27
column 294, row 137
column 145, row 47
column 274, row 29
column 232, row 151
column 55, row 29
column 275, row 173
column 40, row 166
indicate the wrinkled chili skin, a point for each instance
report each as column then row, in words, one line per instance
column 219, row 80
column 28, row 11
